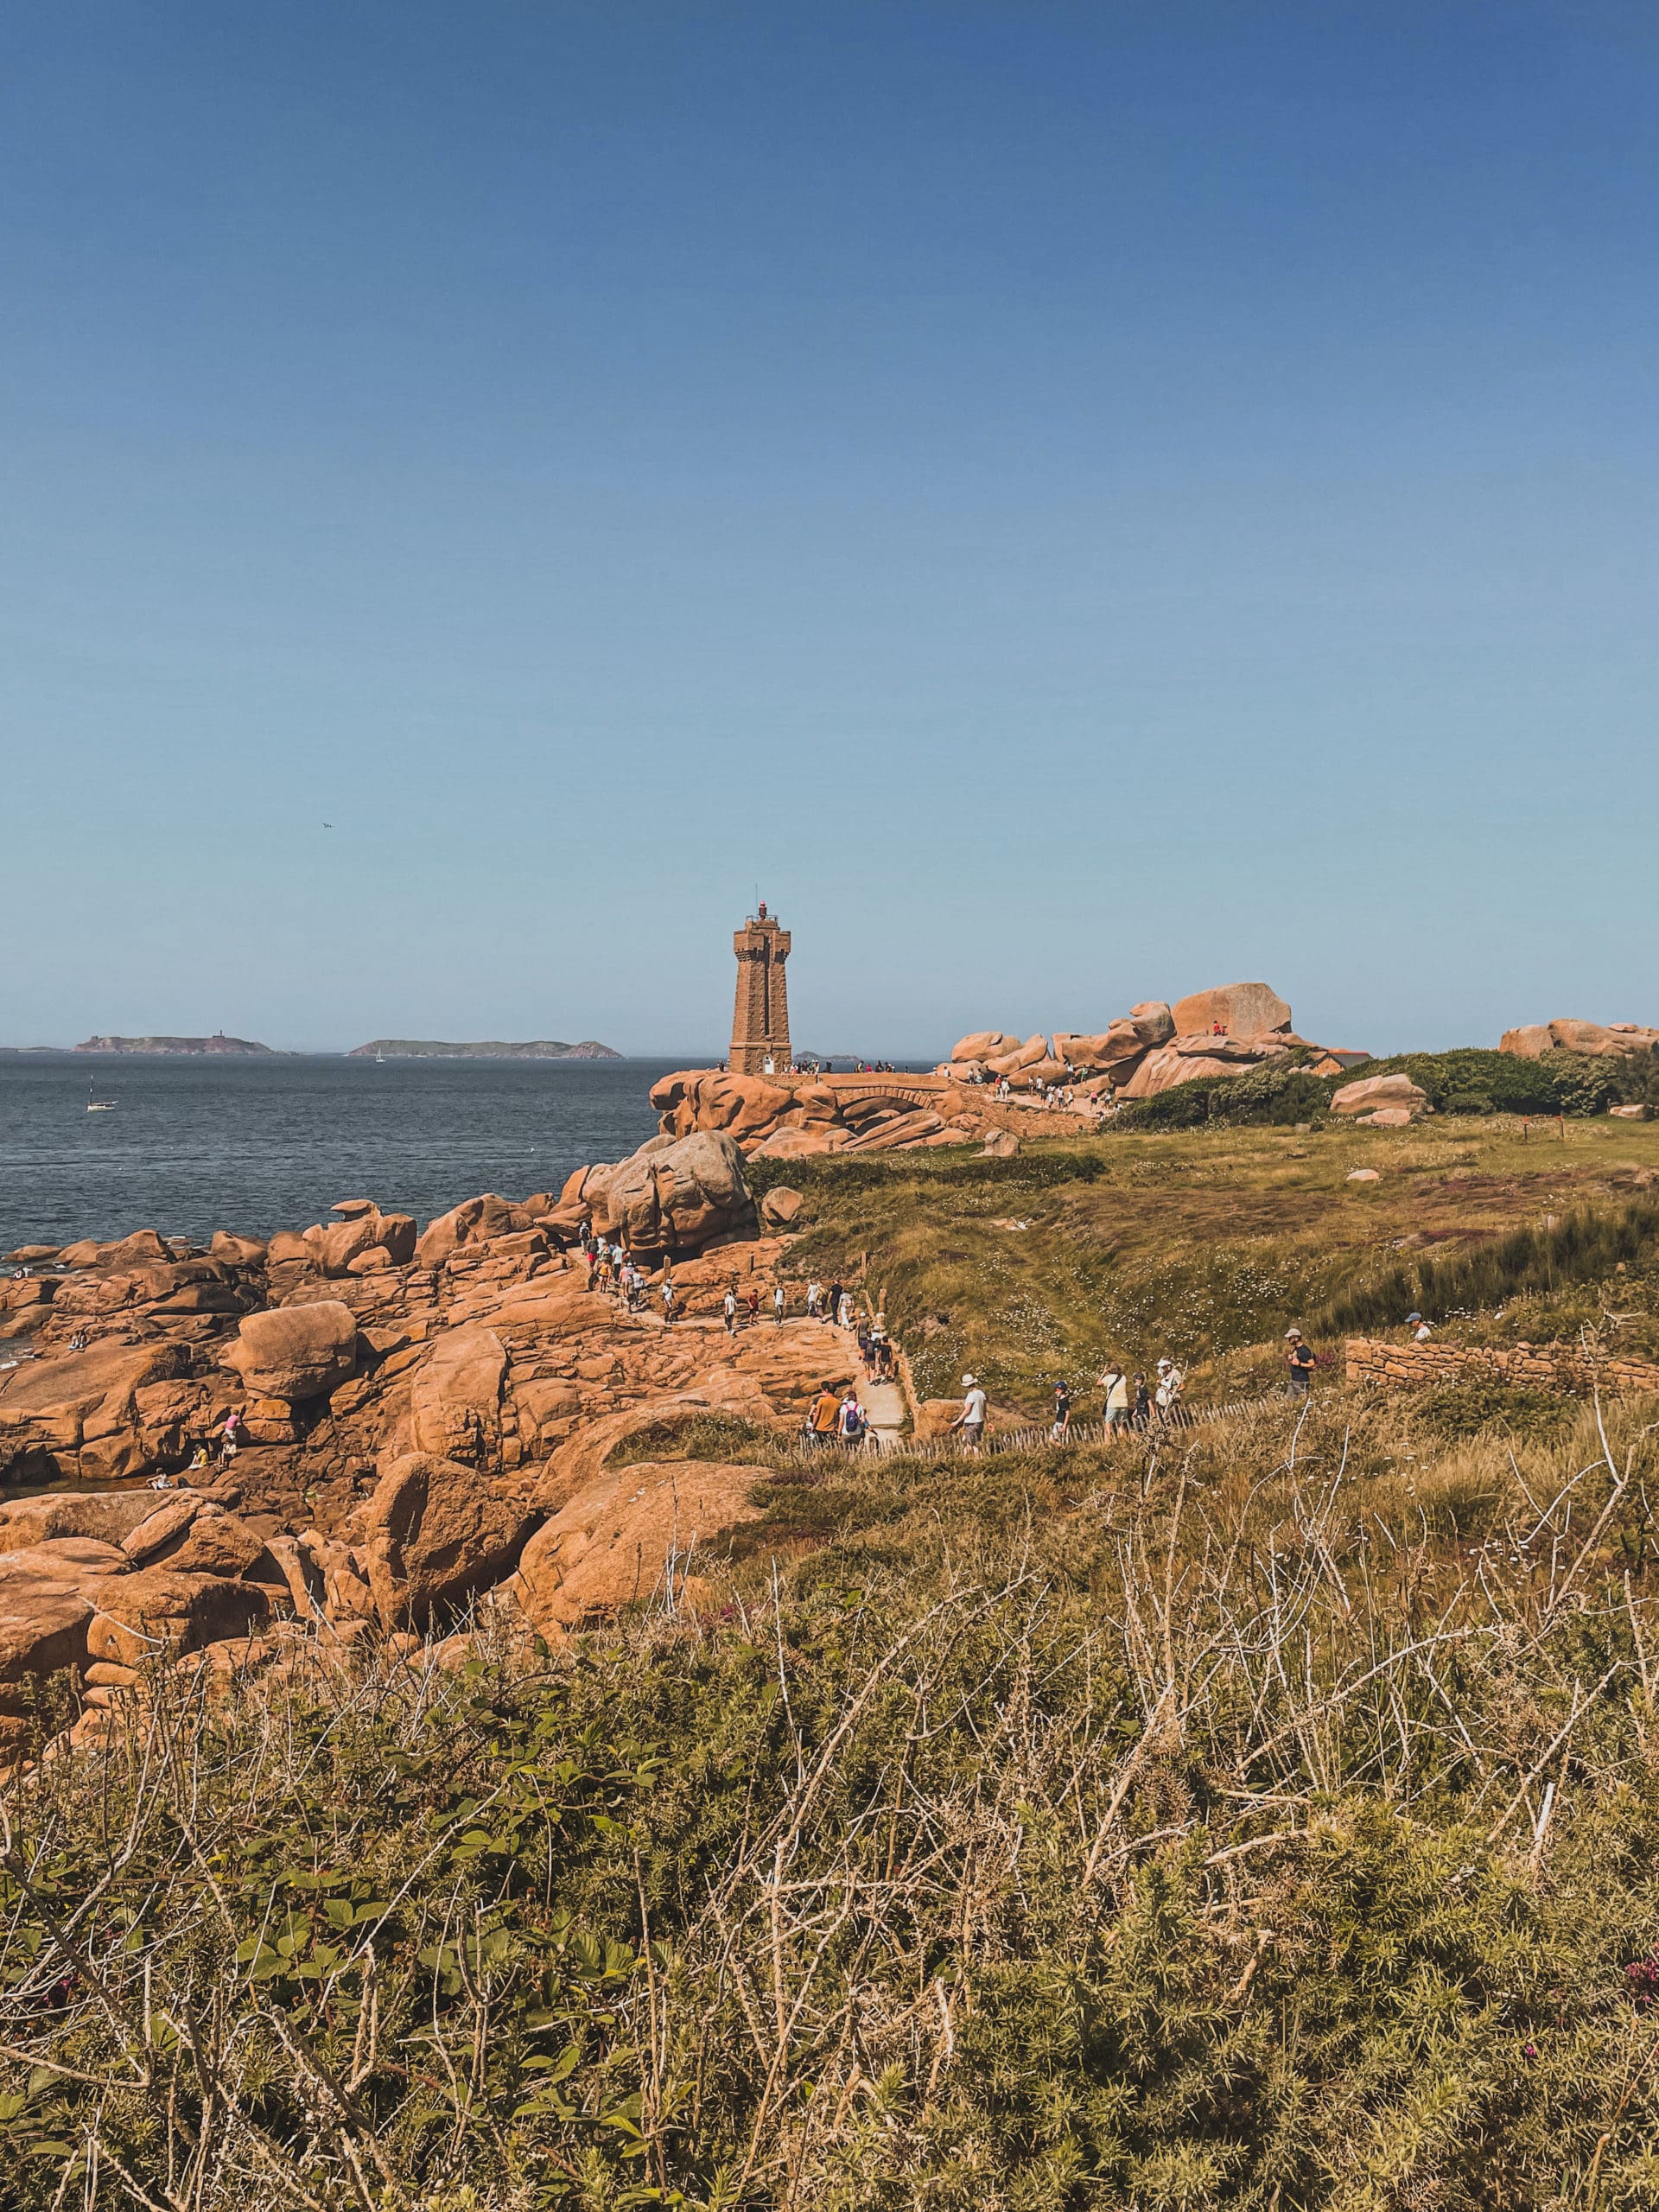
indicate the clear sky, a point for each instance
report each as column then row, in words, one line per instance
column 1075, row 504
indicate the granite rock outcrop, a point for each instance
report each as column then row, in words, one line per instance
column 402, row 1429
column 1600, row 1039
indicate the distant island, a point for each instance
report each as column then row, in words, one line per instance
column 219, row 1043
column 539, row 1048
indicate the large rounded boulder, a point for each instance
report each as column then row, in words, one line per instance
column 1381, row 1093
column 297, row 1352
column 433, row 1533
column 679, row 1197
column 1241, row 1010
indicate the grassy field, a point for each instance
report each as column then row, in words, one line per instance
column 1208, row 1243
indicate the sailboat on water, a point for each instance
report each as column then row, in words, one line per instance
column 99, row 1105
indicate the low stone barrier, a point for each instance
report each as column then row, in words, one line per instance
column 1536, row 1367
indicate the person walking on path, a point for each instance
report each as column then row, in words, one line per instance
column 1301, row 1361
column 728, row 1310
column 1167, row 1396
column 847, row 1313
column 1062, row 1414
column 1116, row 1383
column 881, row 1350
column 754, row 1303
column 823, row 1416
column 779, row 1302
column 851, row 1421
column 832, row 1305
column 971, row 1420
column 814, row 1298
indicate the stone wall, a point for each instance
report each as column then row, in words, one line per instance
column 1535, row 1367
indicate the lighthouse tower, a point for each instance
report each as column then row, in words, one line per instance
column 761, row 1021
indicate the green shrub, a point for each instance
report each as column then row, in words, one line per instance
column 1273, row 1094
column 1585, row 1087
column 1468, row 1101
column 1575, row 1084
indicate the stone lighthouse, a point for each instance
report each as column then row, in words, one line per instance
column 760, row 1022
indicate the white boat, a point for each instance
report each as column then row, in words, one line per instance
column 99, row 1105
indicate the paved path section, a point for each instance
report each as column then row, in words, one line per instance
column 885, row 1410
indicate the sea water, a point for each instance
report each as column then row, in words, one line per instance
column 261, row 1144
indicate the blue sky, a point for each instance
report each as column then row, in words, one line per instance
column 1075, row 503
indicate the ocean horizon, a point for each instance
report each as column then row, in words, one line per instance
column 256, row 1142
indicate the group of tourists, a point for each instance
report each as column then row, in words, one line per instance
column 613, row 1270
column 836, row 1304
column 733, row 1307
column 1129, row 1402
column 875, row 1349
column 816, row 1068
column 836, row 1417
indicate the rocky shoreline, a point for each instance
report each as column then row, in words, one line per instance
column 424, row 1420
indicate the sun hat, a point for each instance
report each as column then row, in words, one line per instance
column 971, row 1382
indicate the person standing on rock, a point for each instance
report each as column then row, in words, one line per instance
column 754, row 1303
column 668, row 1299
column 814, row 1299
column 729, row 1309
column 779, row 1301
column 971, row 1420
column 1300, row 1357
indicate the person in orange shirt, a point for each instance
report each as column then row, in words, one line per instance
column 823, row 1416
